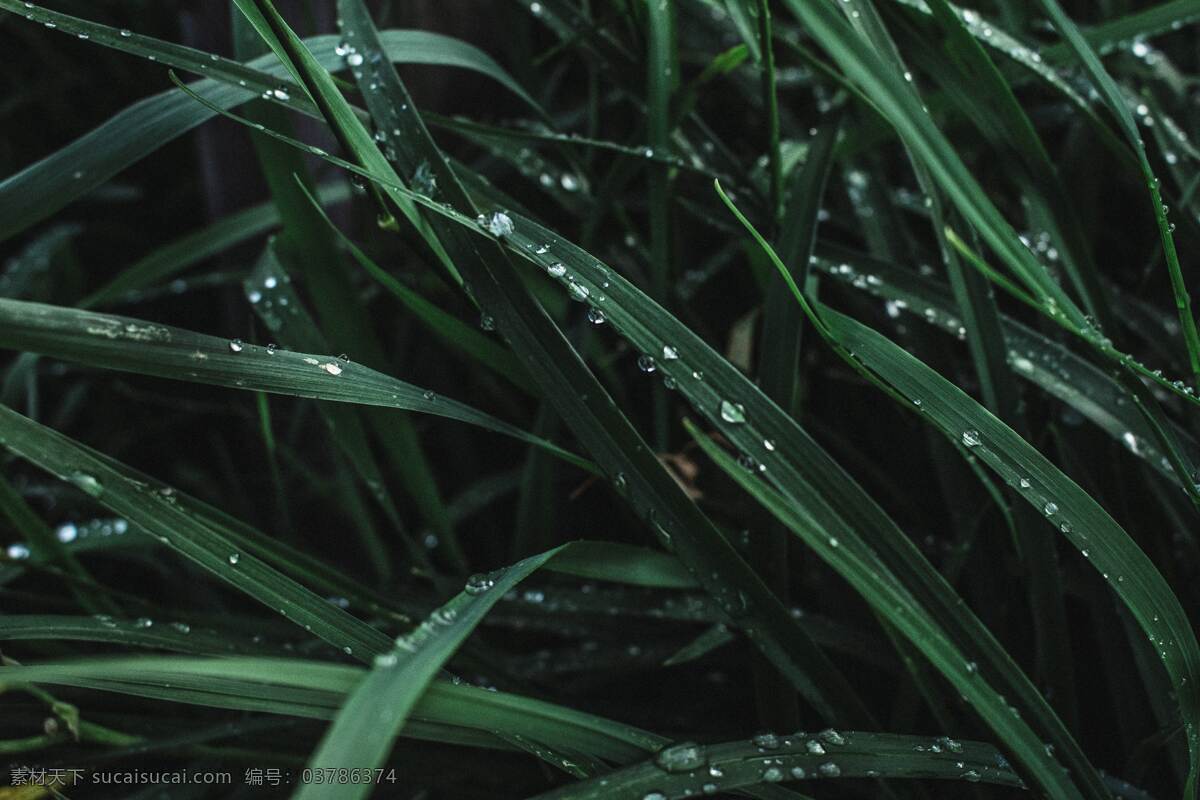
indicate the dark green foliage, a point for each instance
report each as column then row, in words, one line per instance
column 574, row 405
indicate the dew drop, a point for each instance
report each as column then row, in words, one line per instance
column 234, row 558
column 236, row 346
column 497, row 223
column 766, row 741
column 478, row 584
column 680, row 757
column 578, row 292
column 733, row 413
column 971, row 438
column 87, row 483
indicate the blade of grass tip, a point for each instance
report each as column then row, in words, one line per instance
column 713, row 638
column 45, row 546
column 147, row 348
column 1115, row 101
column 1036, row 761
column 368, row 723
column 662, row 76
column 157, row 513
column 581, row 401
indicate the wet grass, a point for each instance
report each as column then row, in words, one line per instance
column 588, row 404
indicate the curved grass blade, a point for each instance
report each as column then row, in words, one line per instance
column 797, row 455
column 143, row 632
column 451, row 330
column 363, row 731
column 854, row 560
column 687, row 770
column 269, row 290
column 580, row 399
column 1116, row 103
column 1066, row 506
column 891, row 95
column 147, row 348
column 1048, row 365
column 39, row 190
column 297, row 687
column 157, row 513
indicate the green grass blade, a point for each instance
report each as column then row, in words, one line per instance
column 892, row 97
column 1050, row 366
column 362, row 733
column 148, row 348
column 177, row 637
column 451, row 330
column 581, row 401
column 171, row 259
column 269, row 290
column 1117, row 104
column 854, row 560
column 309, row 688
column 39, row 190
column 825, row 756
column 1067, row 507
column 157, row 513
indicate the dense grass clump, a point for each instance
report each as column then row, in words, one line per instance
column 615, row 399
